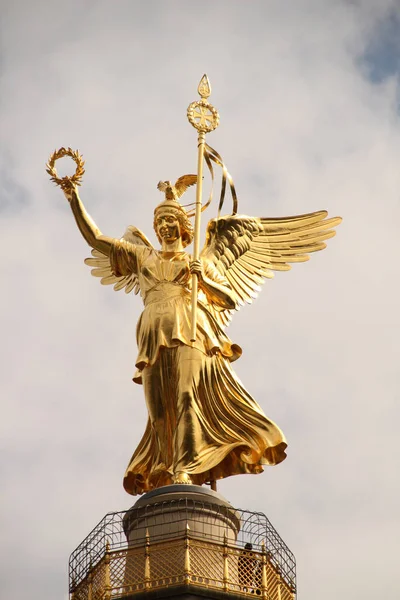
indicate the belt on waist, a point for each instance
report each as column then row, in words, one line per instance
column 165, row 292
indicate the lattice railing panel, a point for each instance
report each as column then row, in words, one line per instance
column 118, row 562
column 134, row 571
column 166, row 561
column 206, row 563
column 99, row 581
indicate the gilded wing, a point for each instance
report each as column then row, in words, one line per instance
column 182, row 184
column 102, row 267
column 246, row 250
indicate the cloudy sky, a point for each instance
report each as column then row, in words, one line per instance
column 308, row 92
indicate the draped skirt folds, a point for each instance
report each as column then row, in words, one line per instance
column 201, row 421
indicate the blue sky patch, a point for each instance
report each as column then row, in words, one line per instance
column 381, row 58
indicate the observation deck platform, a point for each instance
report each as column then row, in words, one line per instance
column 184, row 542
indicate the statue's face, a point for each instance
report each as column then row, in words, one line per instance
column 168, row 227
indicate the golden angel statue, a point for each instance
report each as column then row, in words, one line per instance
column 202, row 423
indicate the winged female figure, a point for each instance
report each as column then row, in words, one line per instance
column 202, row 423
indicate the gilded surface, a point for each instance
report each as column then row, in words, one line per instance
column 184, row 561
column 203, row 425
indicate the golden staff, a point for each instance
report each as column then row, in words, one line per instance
column 205, row 118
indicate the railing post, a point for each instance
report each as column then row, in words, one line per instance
column 264, row 579
column 147, row 560
column 226, row 564
column 107, row 575
column 187, row 555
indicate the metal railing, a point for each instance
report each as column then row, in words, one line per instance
column 106, row 566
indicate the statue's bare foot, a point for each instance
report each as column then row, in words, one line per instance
column 182, row 477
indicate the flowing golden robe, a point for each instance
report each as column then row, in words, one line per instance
column 201, row 419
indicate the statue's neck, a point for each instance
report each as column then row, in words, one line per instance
column 175, row 246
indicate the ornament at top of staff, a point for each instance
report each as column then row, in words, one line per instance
column 201, row 114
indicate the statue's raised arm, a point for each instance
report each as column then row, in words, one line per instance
column 88, row 228
column 114, row 260
column 69, row 185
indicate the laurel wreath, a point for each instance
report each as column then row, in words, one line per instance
column 67, row 182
